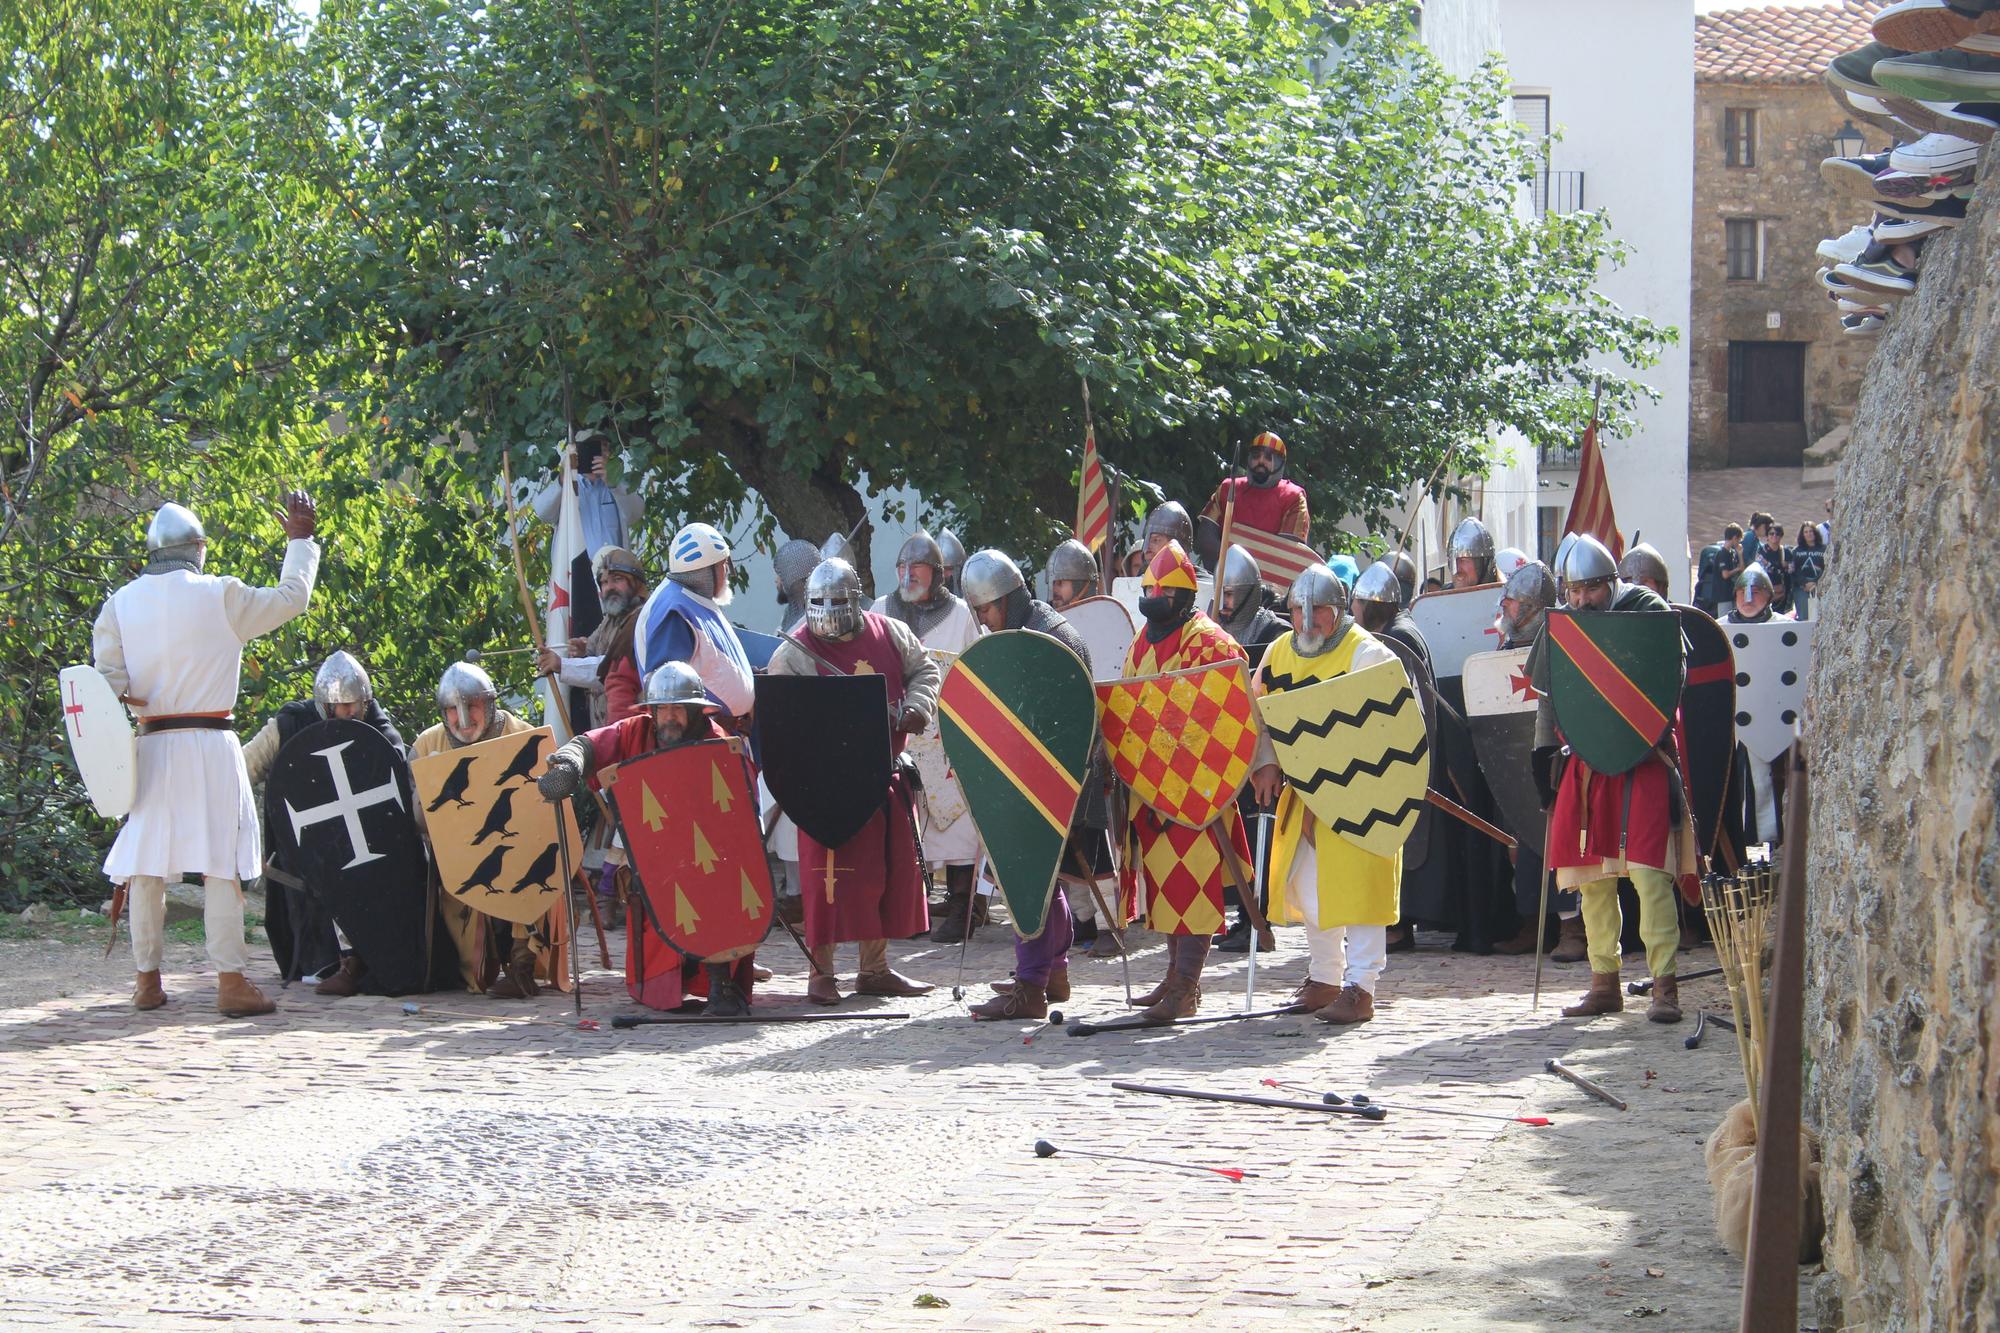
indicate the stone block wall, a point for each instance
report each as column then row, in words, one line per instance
column 1903, row 979
column 1796, row 125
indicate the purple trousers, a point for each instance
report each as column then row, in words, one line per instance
column 1037, row 959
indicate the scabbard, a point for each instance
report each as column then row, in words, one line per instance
column 117, row 910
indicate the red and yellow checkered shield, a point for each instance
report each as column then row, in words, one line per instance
column 1182, row 740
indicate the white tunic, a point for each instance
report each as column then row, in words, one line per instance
column 175, row 641
column 950, row 837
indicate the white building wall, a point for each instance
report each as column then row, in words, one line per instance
column 1620, row 78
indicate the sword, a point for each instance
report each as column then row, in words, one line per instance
column 1263, row 819
column 1470, row 820
column 575, row 967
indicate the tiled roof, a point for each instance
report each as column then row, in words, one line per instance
column 1780, row 44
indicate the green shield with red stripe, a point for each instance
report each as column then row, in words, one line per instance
column 1614, row 680
column 1018, row 716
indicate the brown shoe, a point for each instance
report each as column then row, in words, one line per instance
column 823, row 990
column 237, row 997
column 1058, row 987
column 147, row 993
column 1522, row 941
column 1666, row 1005
column 1180, row 997
column 1316, row 995
column 1105, row 947
column 1603, row 997
column 1352, row 1005
column 1572, row 946
column 889, row 982
column 518, row 980
column 1155, row 995
column 343, row 982
column 1022, row 1000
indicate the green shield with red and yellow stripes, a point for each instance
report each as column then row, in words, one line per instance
column 1018, row 717
column 1615, row 681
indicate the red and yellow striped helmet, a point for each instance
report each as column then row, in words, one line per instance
column 1170, row 569
column 1269, row 440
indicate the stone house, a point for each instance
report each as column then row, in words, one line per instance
column 1771, row 369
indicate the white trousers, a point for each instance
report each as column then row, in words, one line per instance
column 1339, row 955
column 146, row 915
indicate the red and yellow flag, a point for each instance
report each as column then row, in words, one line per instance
column 1093, row 499
column 1590, row 512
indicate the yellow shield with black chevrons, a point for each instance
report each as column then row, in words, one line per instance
column 1355, row 750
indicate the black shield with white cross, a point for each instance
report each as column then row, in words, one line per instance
column 338, row 805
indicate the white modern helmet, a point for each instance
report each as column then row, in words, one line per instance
column 696, row 546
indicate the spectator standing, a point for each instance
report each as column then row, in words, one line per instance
column 1808, row 567
column 1776, row 558
column 1715, row 578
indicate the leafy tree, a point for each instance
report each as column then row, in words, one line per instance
column 787, row 248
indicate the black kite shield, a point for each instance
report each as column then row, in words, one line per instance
column 338, row 806
column 1500, row 706
column 1708, row 721
column 1418, row 849
column 825, row 750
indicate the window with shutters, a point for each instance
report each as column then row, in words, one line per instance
column 1743, row 248
column 1739, row 136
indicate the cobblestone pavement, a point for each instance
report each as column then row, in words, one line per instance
column 488, row 1164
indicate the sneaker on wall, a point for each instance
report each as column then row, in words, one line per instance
column 1855, row 71
column 1845, row 249
column 1873, row 111
column 1890, row 270
column 1854, row 175
column 1895, row 231
column 1870, row 322
column 1936, row 155
column 1863, row 307
column 1949, row 211
column 1932, row 25
column 1940, row 76
column 1977, row 121
column 1893, row 184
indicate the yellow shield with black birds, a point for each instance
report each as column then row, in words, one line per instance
column 492, row 835
column 1355, row 750
column 1182, row 740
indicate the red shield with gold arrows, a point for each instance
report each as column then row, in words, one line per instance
column 691, row 828
column 1182, row 740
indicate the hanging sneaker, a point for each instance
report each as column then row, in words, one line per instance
column 1854, row 175
column 1977, row 121
column 1872, row 111
column 1863, row 323
column 1956, row 75
column 1845, row 249
column 1891, row 270
column 1932, row 25
column 1935, row 155
column 1950, row 210
column 1854, row 72
column 1895, row 231
column 1894, row 184
column 1863, row 306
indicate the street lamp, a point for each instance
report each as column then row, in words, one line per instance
column 1847, row 141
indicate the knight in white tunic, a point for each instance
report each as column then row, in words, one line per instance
column 171, row 644
column 924, row 601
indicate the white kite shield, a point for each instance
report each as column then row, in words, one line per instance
column 1457, row 623
column 101, row 739
column 1773, row 660
column 1107, row 629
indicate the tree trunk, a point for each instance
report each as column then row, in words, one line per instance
column 812, row 505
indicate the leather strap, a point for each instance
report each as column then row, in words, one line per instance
column 185, row 722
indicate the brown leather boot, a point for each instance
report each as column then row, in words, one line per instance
column 1522, row 940
column 237, row 997
column 1603, row 997
column 1058, row 987
column 1666, row 1005
column 147, row 993
column 1314, row 996
column 1352, row 1005
column 888, row 981
column 1023, row 999
column 823, row 988
column 518, row 981
column 1572, row 946
column 1179, row 998
column 1153, row 996
column 1105, row 946
column 345, row 980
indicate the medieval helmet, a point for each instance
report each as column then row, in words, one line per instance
column 794, row 561
column 696, row 548
column 919, row 548
column 1562, row 556
column 988, row 576
column 1586, row 561
column 174, row 525
column 1316, row 586
column 833, row 600
column 675, row 683
column 1535, row 589
column 462, row 684
column 1471, row 540
column 1072, row 561
column 1239, row 570
column 1755, row 576
column 951, row 551
column 1170, row 570
column 341, row 679
column 1378, row 583
column 616, row 559
column 1405, row 566
column 833, row 548
column 1643, row 564
column 1169, row 518
column 1270, row 440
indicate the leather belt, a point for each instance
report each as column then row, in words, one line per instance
column 185, row 722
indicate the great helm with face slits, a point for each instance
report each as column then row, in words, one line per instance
column 1315, row 587
column 833, row 600
column 341, row 679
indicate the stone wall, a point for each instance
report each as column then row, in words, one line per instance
column 1903, row 1004
column 1796, row 125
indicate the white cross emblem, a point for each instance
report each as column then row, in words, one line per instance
column 347, row 806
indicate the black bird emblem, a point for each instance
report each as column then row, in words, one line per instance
column 522, row 765
column 489, row 870
column 454, row 786
column 497, row 819
column 539, row 872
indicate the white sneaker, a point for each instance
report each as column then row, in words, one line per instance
column 1863, row 324
column 1845, row 249
column 1935, row 155
column 1894, row 231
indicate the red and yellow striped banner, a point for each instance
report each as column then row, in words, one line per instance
column 1093, row 498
